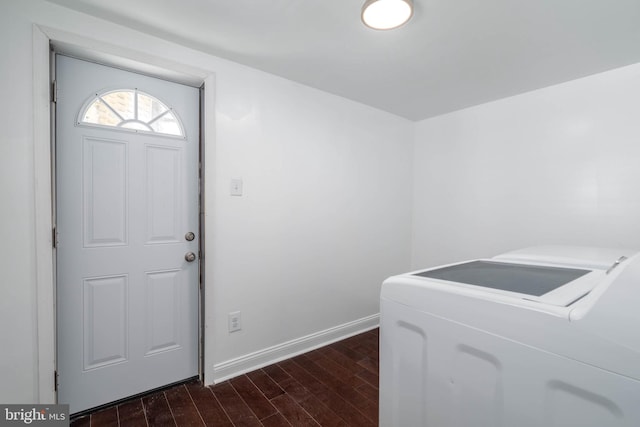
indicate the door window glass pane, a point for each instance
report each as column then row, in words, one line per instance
column 132, row 110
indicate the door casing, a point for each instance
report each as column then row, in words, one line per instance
column 43, row 40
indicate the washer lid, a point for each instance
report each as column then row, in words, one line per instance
column 535, row 280
column 548, row 284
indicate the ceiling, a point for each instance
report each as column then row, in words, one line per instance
column 452, row 54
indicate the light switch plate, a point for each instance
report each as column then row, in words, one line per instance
column 236, row 187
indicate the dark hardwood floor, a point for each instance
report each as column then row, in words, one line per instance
column 336, row 385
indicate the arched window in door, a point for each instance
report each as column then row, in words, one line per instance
column 132, row 110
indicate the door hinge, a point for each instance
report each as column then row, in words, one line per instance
column 54, row 91
column 54, row 237
column 55, row 380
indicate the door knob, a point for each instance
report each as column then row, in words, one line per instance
column 190, row 256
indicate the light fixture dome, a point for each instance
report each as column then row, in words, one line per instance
column 386, row 14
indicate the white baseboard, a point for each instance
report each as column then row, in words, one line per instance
column 256, row 360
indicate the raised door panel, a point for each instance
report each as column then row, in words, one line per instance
column 163, row 311
column 105, row 189
column 164, row 194
column 105, row 315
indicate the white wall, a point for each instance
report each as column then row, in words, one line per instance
column 325, row 216
column 17, row 292
column 560, row 165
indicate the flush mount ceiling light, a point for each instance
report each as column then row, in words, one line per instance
column 386, row 14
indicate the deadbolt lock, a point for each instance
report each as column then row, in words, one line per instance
column 190, row 236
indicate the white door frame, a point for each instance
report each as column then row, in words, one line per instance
column 43, row 200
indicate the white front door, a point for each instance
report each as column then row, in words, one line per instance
column 126, row 199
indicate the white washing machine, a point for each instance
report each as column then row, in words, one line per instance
column 540, row 337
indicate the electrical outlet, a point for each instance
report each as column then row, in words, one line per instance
column 235, row 321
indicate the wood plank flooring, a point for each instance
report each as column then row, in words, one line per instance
column 336, row 386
